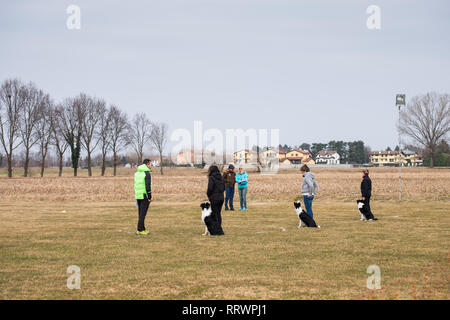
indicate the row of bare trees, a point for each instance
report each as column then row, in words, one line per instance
column 29, row 118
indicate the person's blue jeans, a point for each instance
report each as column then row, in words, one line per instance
column 243, row 197
column 308, row 205
column 229, row 195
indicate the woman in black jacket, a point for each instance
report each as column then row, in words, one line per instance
column 366, row 189
column 216, row 187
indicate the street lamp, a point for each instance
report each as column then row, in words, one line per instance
column 400, row 100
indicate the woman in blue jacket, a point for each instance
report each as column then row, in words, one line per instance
column 242, row 180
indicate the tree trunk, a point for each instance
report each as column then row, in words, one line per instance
column 60, row 165
column 27, row 161
column 74, row 166
column 9, row 166
column 115, row 164
column 75, row 157
column 42, row 166
column 431, row 157
column 161, row 163
column 258, row 162
column 103, row 165
column 89, row 165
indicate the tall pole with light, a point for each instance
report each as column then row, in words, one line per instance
column 400, row 100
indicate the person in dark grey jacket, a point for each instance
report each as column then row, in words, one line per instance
column 309, row 188
column 216, row 187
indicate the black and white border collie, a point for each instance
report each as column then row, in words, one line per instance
column 206, row 217
column 365, row 214
column 303, row 217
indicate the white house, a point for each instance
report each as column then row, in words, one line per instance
column 328, row 157
column 155, row 161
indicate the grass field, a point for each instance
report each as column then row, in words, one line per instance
column 262, row 256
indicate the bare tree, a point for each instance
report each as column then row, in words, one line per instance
column 12, row 94
column 139, row 132
column 119, row 125
column 44, row 128
column 159, row 140
column 70, row 121
column 104, row 134
column 426, row 120
column 90, row 122
column 34, row 98
column 59, row 142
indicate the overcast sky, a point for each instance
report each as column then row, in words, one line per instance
column 309, row 68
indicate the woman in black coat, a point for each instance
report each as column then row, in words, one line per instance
column 216, row 187
column 366, row 190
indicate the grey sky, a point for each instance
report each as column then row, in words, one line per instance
column 310, row 68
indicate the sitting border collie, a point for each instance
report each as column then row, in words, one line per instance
column 303, row 217
column 207, row 218
column 365, row 214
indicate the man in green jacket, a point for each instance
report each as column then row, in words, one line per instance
column 143, row 193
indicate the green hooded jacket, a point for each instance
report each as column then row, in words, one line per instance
column 143, row 183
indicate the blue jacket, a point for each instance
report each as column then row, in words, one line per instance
column 242, row 180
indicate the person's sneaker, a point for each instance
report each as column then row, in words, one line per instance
column 231, row 209
column 245, row 209
column 240, row 209
column 226, row 209
column 144, row 232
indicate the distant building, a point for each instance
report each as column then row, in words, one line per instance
column 281, row 155
column 391, row 158
column 155, row 161
column 243, row 157
column 192, row 157
column 185, row 157
column 328, row 157
column 296, row 156
column 269, row 156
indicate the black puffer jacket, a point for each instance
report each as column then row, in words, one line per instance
column 366, row 187
column 216, row 187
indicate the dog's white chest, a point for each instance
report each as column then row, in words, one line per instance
column 206, row 213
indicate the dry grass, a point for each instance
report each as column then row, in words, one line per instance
column 255, row 259
column 187, row 185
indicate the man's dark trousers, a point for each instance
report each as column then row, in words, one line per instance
column 229, row 195
column 143, row 205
